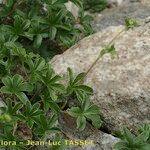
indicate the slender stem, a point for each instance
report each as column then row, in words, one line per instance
column 99, row 56
column 15, row 128
column 24, row 69
column 116, row 36
column 35, row 94
column 64, row 104
column 97, row 59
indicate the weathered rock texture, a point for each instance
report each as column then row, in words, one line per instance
column 116, row 16
column 121, row 86
column 121, row 2
column 97, row 139
column 146, row 2
column 72, row 8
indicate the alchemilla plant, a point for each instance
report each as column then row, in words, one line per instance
column 34, row 97
column 43, row 26
column 130, row 141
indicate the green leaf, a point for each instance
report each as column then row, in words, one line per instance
column 144, row 136
column 22, row 97
column 128, row 135
column 31, row 113
column 74, row 111
column 79, row 3
column 84, row 88
column 55, row 79
column 120, row 146
column 88, row 111
column 52, row 33
column 130, row 23
column 16, row 85
column 81, row 122
column 108, row 49
column 79, row 78
column 54, row 106
column 81, row 95
column 37, row 41
column 47, row 125
column 71, row 78
column 96, row 120
column 92, row 110
column 26, row 87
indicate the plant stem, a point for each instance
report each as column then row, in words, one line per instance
column 108, row 45
column 15, row 128
column 35, row 94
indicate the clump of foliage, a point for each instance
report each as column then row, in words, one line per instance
column 34, row 96
column 95, row 5
column 130, row 23
column 43, row 26
column 129, row 141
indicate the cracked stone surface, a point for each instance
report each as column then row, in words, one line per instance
column 100, row 140
column 122, row 85
column 116, row 16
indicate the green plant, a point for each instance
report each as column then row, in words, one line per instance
column 129, row 141
column 87, row 111
column 110, row 47
column 34, row 96
column 95, row 5
column 45, row 27
column 130, row 23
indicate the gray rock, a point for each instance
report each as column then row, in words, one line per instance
column 74, row 9
column 97, row 140
column 146, row 2
column 121, row 2
column 122, row 85
column 116, row 16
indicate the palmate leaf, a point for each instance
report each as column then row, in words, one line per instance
column 37, row 68
column 16, row 49
column 108, row 50
column 53, row 85
column 31, row 113
column 75, row 86
column 22, row 96
column 20, row 25
column 120, row 146
column 130, row 141
column 96, row 120
column 128, row 135
column 16, row 85
column 47, row 125
column 36, row 33
column 87, row 111
column 145, row 128
column 75, row 111
column 142, row 137
column 50, row 104
column 81, row 122
column 9, row 111
column 52, row 33
column 37, row 41
column 130, row 23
